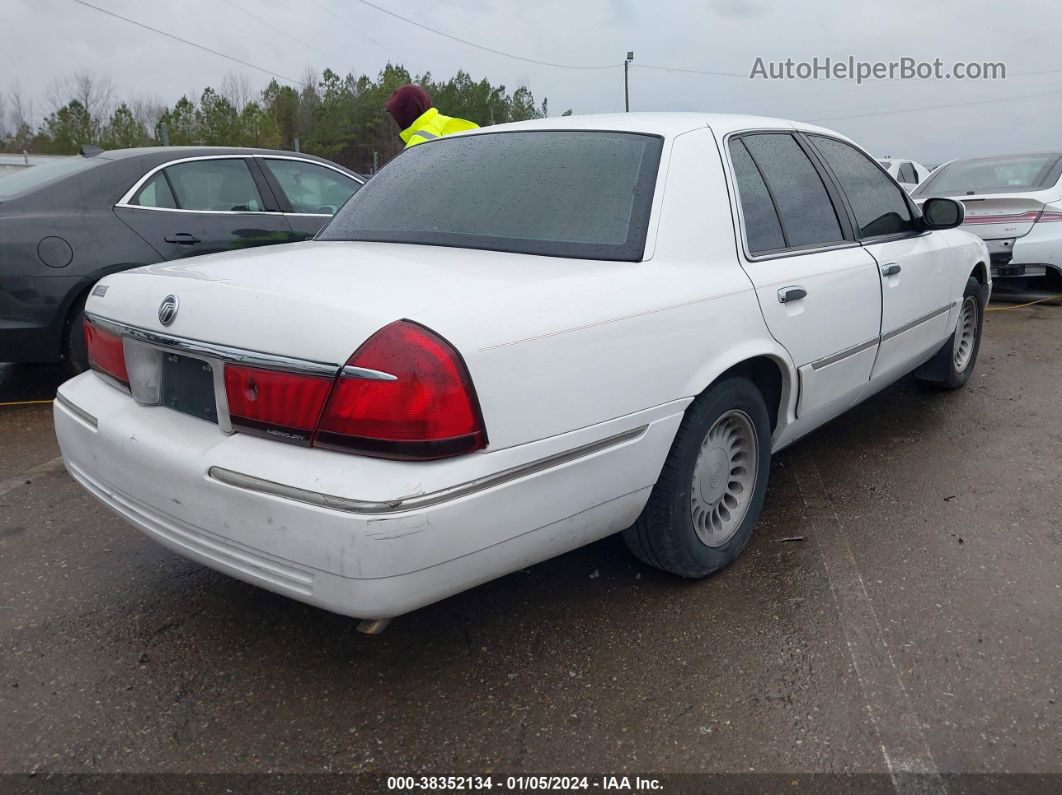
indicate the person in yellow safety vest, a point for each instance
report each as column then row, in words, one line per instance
column 410, row 106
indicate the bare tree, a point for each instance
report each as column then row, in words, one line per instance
column 147, row 111
column 3, row 119
column 236, row 88
column 21, row 113
column 94, row 92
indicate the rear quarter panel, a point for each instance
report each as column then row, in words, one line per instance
column 39, row 296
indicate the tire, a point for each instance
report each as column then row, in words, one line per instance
column 952, row 365
column 696, row 523
column 75, row 352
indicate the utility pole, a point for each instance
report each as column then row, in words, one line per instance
column 626, row 82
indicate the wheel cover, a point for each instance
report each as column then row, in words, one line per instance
column 724, row 478
column 965, row 334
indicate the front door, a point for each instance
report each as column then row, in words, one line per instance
column 912, row 263
column 203, row 206
column 818, row 289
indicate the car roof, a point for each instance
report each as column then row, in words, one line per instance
column 662, row 123
column 156, row 155
column 191, row 151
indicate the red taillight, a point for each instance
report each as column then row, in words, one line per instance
column 281, row 404
column 427, row 410
column 105, row 352
column 1049, row 215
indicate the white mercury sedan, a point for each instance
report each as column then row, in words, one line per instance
column 514, row 342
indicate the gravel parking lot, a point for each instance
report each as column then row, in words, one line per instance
column 899, row 608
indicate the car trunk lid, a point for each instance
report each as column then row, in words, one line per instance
column 998, row 216
column 318, row 301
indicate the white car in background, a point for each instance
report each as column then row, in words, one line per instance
column 514, row 342
column 1014, row 203
column 907, row 172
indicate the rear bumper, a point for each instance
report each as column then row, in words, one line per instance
column 403, row 535
column 1034, row 254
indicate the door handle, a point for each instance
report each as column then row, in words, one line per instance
column 182, row 239
column 787, row 294
column 890, row 270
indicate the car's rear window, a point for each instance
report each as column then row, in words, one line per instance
column 994, row 175
column 28, row 179
column 561, row 193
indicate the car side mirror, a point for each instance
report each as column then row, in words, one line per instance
column 938, row 213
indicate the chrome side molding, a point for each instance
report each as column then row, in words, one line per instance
column 77, row 411
column 918, row 321
column 833, row 358
column 417, row 501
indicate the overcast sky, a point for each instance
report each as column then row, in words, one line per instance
column 45, row 40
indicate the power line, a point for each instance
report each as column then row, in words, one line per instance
column 361, row 33
column 688, row 71
column 186, row 41
column 282, row 32
column 479, row 46
column 935, row 107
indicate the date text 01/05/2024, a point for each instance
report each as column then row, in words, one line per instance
column 521, row 783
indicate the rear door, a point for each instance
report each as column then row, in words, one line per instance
column 204, row 205
column 916, row 272
column 817, row 288
column 309, row 193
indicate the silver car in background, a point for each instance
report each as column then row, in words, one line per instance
column 1014, row 203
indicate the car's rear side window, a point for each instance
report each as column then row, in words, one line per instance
column 804, row 207
column 562, row 193
column 763, row 232
column 155, row 193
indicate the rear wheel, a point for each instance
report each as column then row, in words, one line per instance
column 75, row 352
column 709, row 495
column 952, row 365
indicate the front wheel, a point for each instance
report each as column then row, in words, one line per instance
column 952, row 366
column 709, row 495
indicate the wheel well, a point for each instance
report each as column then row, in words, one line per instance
column 980, row 272
column 765, row 373
column 79, row 296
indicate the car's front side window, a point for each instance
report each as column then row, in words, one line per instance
column 877, row 202
column 311, row 188
column 216, row 185
column 803, row 205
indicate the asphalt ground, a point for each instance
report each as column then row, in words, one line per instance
column 899, row 608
